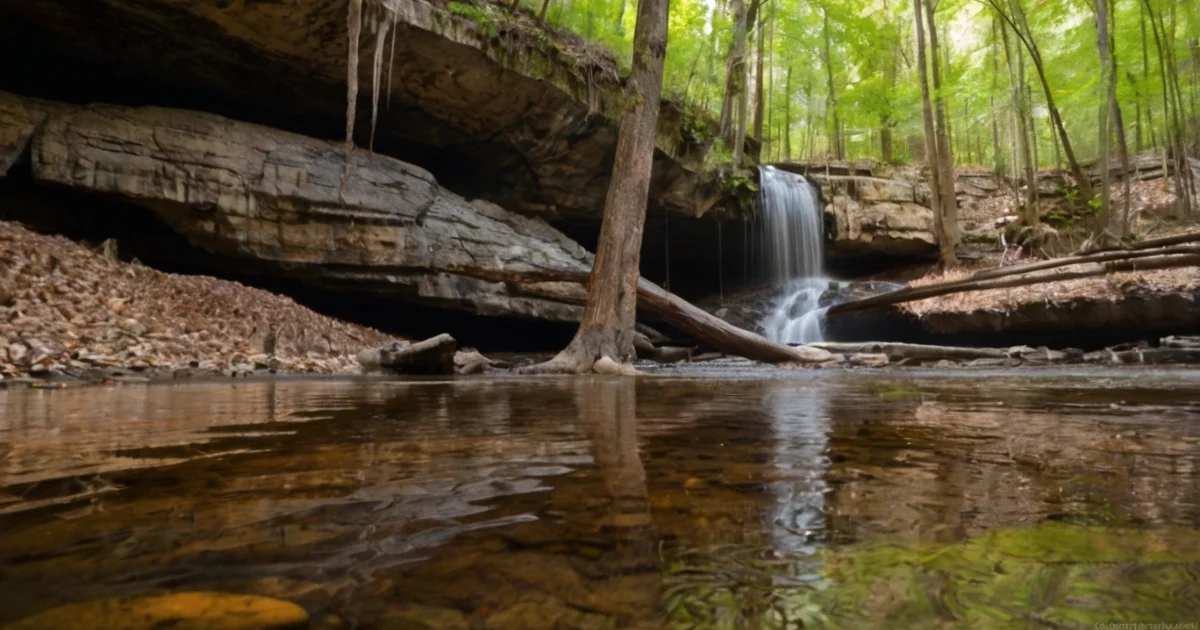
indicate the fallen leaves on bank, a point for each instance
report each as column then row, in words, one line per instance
column 67, row 309
column 1110, row 287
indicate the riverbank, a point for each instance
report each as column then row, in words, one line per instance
column 70, row 312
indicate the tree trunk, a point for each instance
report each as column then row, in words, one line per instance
column 1118, row 121
column 787, row 116
column 759, row 87
column 997, row 162
column 1105, row 132
column 1146, row 76
column 945, row 246
column 1022, row 115
column 542, row 13
column 607, row 326
column 735, row 83
column 945, row 158
column 835, row 135
column 619, row 23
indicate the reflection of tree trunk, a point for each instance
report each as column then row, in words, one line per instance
column 608, row 409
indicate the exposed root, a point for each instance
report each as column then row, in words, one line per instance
column 383, row 25
column 354, row 31
column 589, row 352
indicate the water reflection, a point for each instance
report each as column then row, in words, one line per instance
column 578, row 503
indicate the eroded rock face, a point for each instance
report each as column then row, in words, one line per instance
column 523, row 119
column 274, row 200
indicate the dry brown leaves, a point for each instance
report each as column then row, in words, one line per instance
column 66, row 307
column 1109, row 287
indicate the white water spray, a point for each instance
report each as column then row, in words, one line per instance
column 792, row 249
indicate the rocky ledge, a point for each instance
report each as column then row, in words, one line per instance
column 271, row 203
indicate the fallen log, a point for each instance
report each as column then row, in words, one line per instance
column 1079, row 259
column 913, row 351
column 912, row 294
column 1151, row 243
column 674, row 310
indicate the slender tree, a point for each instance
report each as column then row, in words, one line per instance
column 946, row 255
column 607, row 326
column 945, row 158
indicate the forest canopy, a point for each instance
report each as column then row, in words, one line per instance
column 822, row 75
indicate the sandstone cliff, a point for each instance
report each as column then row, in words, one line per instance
column 272, row 199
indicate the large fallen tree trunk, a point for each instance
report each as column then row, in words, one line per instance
column 674, row 310
column 919, row 352
column 1181, row 259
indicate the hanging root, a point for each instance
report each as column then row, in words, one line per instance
column 354, row 31
column 391, row 60
column 383, row 25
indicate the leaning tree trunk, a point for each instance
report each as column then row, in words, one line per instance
column 607, row 326
column 1020, row 27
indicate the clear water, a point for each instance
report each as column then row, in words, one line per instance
column 714, row 499
column 791, row 246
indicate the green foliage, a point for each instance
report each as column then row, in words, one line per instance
column 742, row 189
column 874, row 78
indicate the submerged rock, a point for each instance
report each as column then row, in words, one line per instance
column 178, row 611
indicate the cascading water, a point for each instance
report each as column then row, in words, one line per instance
column 792, row 250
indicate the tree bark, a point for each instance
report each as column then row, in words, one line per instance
column 759, row 86
column 946, row 255
column 835, row 133
column 1105, row 132
column 735, row 84
column 945, row 156
column 1023, row 114
column 787, row 116
column 607, row 326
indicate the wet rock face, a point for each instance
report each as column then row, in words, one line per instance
column 273, row 200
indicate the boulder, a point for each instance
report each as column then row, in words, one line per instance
column 272, row 202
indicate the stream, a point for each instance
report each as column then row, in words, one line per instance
column 687, row 499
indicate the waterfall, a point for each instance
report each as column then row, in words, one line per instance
column 792, row 252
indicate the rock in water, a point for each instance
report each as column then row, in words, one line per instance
column 178, row 611
column 432, row 356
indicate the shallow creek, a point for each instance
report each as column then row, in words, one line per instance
column 705, row 499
